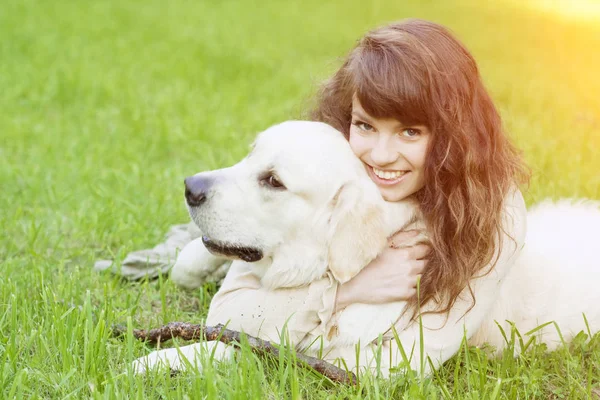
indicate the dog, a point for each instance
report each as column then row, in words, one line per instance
column 300, row 212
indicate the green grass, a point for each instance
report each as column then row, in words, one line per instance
column 107, row 105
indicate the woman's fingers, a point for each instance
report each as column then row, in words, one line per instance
column 419, row 251
column 417, row 280
column 402, row 237
column 419, row 266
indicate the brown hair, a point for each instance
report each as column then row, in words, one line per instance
column 416, row 72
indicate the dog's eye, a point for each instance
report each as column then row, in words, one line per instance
column 272, row 181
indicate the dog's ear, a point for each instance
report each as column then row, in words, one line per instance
column 357, row 231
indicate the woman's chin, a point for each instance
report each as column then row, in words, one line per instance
column 397, row 193
column 392, row 195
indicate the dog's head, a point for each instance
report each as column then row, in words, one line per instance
column 298, row 204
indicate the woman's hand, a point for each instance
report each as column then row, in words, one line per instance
column 392, row 276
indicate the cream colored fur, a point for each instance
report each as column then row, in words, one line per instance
column 331, row 219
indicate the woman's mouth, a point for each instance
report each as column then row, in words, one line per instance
column 386, row 178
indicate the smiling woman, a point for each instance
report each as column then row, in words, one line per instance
column 392, row 153
column 411, row 102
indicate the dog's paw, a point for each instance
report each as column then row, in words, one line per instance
column 195, row 265
column 182, row 358
column 173, row 359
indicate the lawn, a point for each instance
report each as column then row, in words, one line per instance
column 108, row 105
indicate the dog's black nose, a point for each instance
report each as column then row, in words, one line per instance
column 196, row 189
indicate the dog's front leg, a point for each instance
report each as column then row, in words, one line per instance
column 180, row 358
column 195, row 265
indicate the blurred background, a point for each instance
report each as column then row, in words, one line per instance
column 108, row 105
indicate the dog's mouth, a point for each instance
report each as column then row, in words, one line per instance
column 233, row 251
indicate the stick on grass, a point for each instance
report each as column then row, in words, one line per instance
column 188, row 331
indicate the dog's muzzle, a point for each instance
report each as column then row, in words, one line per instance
column 247, row 254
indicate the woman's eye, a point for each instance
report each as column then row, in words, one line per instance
column 411, row 133
column 363, row 126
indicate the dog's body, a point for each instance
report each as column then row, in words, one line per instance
column 300, row 215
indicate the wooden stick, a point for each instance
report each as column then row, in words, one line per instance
column 188, row 331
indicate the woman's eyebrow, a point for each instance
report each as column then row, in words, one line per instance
column 400, row 125
column 360, row 115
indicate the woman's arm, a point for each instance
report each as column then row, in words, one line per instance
column 252, row 308
column 243, row 301
column 391, row 277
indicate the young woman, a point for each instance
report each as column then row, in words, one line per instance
column 410, row 101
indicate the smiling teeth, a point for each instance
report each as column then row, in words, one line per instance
column 388, row 174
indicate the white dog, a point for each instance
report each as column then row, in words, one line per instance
column 299, row 212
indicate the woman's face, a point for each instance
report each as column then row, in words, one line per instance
column 393, row 154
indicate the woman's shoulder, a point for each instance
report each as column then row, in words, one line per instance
column 515, row 215
column 514, row 200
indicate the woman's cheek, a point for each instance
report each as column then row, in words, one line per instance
column 358, row 143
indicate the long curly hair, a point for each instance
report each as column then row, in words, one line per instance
column 418, row 73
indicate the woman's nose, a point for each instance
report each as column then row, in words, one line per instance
column 382, row 153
